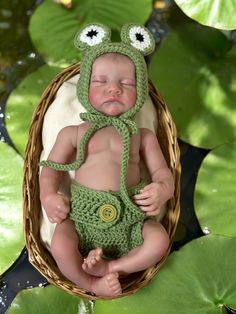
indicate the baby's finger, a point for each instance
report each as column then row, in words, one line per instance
column 147, row 208
column 144, row 202
column 65, row 201
column 147, row 188
column 61, row 207
column 55, row 219
column 142, row 195
column 61, row 215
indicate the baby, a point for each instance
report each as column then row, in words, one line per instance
column 106, row 229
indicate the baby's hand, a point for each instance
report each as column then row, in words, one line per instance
column 57, row 207
column 149, row 199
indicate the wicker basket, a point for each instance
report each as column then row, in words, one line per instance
column 38, row 254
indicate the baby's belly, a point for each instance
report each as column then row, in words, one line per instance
column 106, row 175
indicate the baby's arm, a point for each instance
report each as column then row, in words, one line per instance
column 57, row 205
column 155, row 194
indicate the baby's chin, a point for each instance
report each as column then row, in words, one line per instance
column 113, row 109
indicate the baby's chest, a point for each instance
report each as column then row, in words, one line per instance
column 108, row 139
column 105, row 139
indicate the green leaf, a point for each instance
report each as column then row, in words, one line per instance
column 215, row 13
column 52, row 27
column 22, row 102
column 11, row 236
column 195, row 71
column 196, row 279
column 47, row 301
column 215, row 198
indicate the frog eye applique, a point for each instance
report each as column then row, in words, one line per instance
column 139, row 37
column 92, row 35
column 132, row 35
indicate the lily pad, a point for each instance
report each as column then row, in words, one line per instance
column 195, row 71
column 52, row 27
column 214, row 13
column 22, row 102
column 215, row 198
column 196, row 279
column 11, row 236
column 45, row 300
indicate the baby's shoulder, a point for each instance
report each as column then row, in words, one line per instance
column 148, row 137
column 73, row 131
column 146, row 132
column 81, row 128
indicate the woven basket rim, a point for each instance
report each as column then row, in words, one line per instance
column 38, row 255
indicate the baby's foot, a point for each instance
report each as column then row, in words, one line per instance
column 95, row 265
column 107, row 286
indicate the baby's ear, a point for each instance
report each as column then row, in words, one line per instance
column 91, row 35
column 139, row 37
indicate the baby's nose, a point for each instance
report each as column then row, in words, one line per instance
column 114, row 87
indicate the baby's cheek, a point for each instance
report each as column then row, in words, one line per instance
column 94, row 97
column 132, row 98
column 91, row 95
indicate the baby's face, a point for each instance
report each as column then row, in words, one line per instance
column 112, row 89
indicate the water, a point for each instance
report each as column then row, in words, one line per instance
column 18, row 58
column 17, row 55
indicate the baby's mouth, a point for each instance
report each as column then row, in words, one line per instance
column 113, row 101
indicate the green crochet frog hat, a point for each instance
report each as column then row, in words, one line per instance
column 136, row 42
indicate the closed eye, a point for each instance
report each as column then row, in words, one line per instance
column 128, row 82
column 98, row 79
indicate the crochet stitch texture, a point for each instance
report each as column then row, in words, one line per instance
column 118, row 235
column 95, row 39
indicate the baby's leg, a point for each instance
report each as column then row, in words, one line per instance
column 156, row 242
column 64, row 248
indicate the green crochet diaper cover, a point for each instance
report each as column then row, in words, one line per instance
column 103, row 220
column 136, row 41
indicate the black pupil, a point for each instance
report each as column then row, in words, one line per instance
column 92, row 33
column 139, row 37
